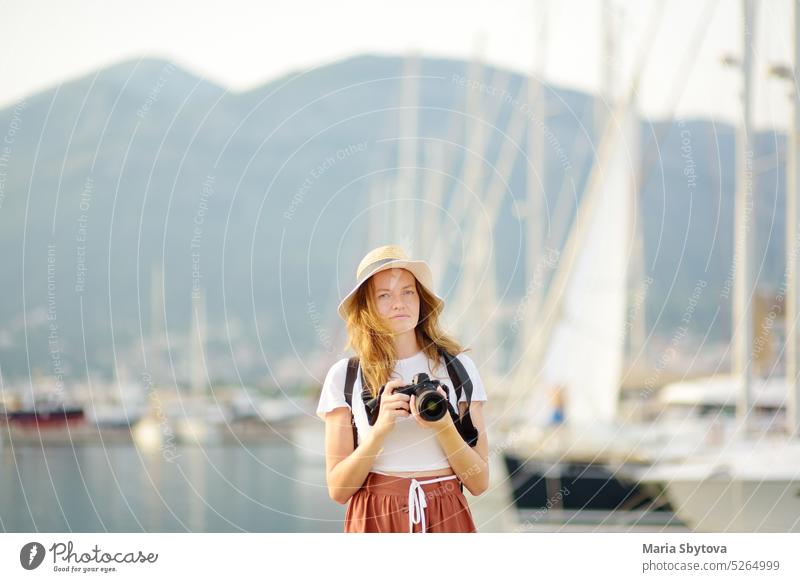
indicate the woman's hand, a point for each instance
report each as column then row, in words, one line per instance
column 437, row 424
column 392, row 406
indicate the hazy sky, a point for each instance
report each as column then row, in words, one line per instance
column 242, row 44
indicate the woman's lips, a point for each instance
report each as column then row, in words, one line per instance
column 400, row 317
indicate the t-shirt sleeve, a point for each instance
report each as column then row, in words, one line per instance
column 332, row 395
column 478, row 389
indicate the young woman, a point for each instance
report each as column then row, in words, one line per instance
column 406, row 473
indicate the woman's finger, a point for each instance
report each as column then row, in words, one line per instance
column 399, row 399
column 398, row 404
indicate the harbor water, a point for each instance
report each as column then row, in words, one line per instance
column 266, row 487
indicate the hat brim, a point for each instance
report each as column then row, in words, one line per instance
column 420, row 270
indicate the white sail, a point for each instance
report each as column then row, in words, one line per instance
column 583, row 353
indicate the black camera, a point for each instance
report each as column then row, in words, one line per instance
column 431, row 404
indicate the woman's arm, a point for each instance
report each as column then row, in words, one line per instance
column 471, row 464
column 347, row 468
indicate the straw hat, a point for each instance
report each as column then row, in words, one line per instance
column 388, row 257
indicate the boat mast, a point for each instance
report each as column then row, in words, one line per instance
column 743, row 233
column 198, row 370
column 792, row 185
column 536, row 176
column 408, row 134
column 605, row 99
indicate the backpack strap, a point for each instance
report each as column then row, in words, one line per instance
column 352, row 368
column 461, row 380
column 458, row 376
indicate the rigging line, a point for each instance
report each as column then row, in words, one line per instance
column 677, row 94
column 473, row 175
column 552, row 304
column 687, row 66
column 475, row 70
column 441, row 156
column 476, row 228
column 675, row 97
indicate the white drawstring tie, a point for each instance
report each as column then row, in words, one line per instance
column 417, row 501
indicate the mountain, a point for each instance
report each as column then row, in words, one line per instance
column 262, row 199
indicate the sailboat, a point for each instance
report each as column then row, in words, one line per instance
column 748, row 485
column 576, row 365
column 571, row 356
column 44, row 413
column 751, row 482
column 197, row 420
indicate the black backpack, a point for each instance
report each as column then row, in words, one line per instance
column 459, row 378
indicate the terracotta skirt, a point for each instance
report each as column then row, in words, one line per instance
column 387, row 504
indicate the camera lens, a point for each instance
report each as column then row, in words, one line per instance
column 431, row 406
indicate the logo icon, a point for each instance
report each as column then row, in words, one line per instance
column 31, row 555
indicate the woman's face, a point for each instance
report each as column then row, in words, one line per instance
column 397, row 298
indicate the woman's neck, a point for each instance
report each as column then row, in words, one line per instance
column 406, row 345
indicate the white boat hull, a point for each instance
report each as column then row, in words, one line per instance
column 724, row 505
column 744, row 486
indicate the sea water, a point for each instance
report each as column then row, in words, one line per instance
column 266, row 487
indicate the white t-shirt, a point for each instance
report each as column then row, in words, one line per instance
column 408, row 447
